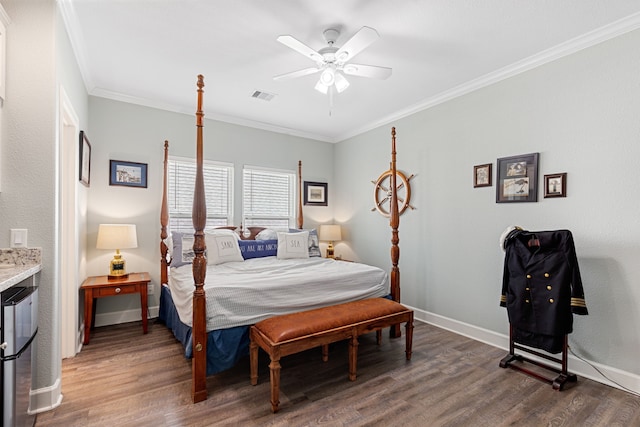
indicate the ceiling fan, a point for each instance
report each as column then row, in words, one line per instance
column 332, row 61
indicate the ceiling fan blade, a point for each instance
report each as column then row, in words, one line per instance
column 359, row 41
column 367, row 71
column 300, row 47
column 299, row 73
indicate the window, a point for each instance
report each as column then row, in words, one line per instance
column 218, row 186
column 268, row 197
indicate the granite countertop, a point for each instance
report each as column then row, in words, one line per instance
column 13, row 276
column 17, row 264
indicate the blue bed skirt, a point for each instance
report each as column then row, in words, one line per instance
column 225, row 347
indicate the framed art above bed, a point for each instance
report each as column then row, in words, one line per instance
column 315, row 193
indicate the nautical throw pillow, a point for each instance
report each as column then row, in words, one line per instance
column 258, row 248
column 221, row 248
column 293, row 245
column 314, row 247
column 182, row 251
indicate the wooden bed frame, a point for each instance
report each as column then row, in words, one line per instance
column 199, row 214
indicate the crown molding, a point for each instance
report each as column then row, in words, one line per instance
column 592, row 38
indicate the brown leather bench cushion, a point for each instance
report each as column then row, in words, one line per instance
column 295, row 325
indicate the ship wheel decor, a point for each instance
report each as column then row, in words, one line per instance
column 382, row 192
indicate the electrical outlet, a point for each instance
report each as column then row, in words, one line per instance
column 150, row 289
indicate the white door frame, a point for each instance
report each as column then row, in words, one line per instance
column 69, row 227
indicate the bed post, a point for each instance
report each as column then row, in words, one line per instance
column 394, row 222
column 164, row 220
column 199, row 214
column 300, row 219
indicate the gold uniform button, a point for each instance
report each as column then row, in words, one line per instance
column 551, row 300
column 528, row 276
column 527, row 301
column 526, row 289
column 549, row 287
column 546, row 274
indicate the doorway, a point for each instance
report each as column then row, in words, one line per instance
column 71, row 222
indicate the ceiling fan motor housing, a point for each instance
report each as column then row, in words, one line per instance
column 331, row 35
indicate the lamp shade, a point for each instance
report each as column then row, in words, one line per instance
column 330, row 233
column 117, row 236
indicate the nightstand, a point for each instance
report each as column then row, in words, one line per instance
column 101, row 286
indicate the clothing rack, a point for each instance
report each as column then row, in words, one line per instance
column 558, row 382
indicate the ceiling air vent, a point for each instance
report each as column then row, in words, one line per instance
column 263, row 95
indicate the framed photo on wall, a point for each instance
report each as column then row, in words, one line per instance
column 85, row 159
column 517, row 179
column 555, row 185
column 128, row 174
column 315, row 193
column 482, row 175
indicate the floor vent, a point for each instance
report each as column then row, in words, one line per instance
column 263, row 95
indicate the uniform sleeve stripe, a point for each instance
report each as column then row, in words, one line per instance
column 578, row 302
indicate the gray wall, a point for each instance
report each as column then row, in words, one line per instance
column 39, row 59
column 129, row 132
column 581, row 113
column 29, row 151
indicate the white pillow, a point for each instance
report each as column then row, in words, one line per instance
column 293, row 245
column 267, row 234
column 222, row 247
column 219, row 231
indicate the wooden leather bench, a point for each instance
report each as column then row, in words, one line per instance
column 291, row 333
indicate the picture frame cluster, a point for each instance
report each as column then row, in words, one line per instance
column 517, row 179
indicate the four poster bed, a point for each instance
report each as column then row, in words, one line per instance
column 261, row 278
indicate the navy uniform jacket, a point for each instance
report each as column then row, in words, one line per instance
column 541, row 284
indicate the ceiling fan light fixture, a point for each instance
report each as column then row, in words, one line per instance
column 321, row 87
column 328, row 76
column 341, row 83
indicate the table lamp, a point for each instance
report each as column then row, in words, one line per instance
column 330, row 233
column 117, row 236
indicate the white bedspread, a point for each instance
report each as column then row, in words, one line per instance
column 243, row 293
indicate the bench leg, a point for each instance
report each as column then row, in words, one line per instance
column 325, row 352
column 379, row 336
column 409, row 337
column 274, row 366
column 353, row 357
column 253, row 359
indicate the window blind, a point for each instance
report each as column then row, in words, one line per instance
column 268, row 197
column 218, row 185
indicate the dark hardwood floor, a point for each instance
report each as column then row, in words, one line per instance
column 125, row 378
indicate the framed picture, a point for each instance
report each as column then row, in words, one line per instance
column 129, row 174
column 555, row 185
column 517, row 179
column 85, row 159
column 315, row 193
column 482, row 175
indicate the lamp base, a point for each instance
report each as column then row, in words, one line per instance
column 330, row 253
column 117, row 268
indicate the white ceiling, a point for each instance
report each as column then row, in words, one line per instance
column 149, row 52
